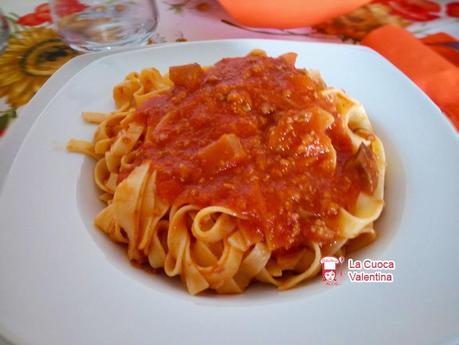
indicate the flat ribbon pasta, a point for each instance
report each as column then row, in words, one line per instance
column 206, row 245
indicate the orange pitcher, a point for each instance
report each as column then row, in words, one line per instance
column 283, row 14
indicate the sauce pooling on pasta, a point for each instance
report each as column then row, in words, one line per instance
column 255, row 135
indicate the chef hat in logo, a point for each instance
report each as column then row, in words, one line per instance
column 329, row 263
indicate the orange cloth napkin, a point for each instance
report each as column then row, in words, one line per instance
column 437, row 76
column 439, row 42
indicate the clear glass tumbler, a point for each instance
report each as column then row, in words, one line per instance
column 96, row 25
column 4, row 31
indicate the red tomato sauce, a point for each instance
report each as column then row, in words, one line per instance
column 276, row 168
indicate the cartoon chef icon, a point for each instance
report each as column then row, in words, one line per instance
column 329, row 269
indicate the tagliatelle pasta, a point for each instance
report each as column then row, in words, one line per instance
column 247, row 170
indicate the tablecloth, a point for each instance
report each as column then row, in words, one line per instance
column 35, row 51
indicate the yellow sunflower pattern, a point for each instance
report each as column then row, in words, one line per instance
column 30, row 58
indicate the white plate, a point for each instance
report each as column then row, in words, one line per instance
column 9, row 144
column 63, row 282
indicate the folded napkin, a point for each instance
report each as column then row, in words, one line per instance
column 436, row 75
column 444, row 45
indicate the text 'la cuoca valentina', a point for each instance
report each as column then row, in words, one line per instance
column 375, row 266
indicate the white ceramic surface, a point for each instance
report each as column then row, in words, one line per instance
column 62, row 282
column 11, row 141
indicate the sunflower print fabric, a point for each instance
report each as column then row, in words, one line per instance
column 34, row 51
column 31, row 57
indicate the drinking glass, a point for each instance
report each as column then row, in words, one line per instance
column 4, row 31
column 95, row 25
